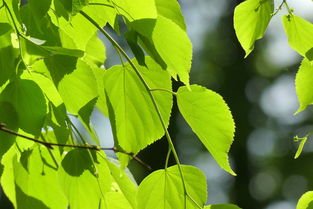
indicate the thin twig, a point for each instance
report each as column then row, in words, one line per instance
column 50, row 145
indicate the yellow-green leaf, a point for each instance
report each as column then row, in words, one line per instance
column 210, row 118
column 251, row 19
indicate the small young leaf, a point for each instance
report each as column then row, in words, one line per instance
column 251, row 19
column 209, row 117
column 301, row 145
column 164, row 189
column 304, row 80
column 306, row 201
column 299, row 32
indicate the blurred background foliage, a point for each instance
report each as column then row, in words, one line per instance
column 261, row 94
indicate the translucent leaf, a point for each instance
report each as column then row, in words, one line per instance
column 132, row 9
column 46, row 86
column 78, row 88
column 304, row 80
column 134, row 119
column 29, row 102
column 74, row 6
column 78, row 180
column 7, row 53
column 95, row 53
column 210, row 118
column 71, row 32
column 125, row 182
column 171, row 10
column 89, row 180
column 174, row 47
column 306, row 201
column 7, row 63
column 9, row 117
column 221, row 206
column 34, row 173
column 299, row 32
column 39, row 9
column 163, row 189
column 251, row 19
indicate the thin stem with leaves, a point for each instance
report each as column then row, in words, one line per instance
column 149, row 90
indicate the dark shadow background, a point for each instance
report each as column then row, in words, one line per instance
column 261, row 95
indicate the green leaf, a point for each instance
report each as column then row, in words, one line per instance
column 163, row 189
column 78, row 88
column 251, row 19
column 89, row 182
column 45, row 84
column 34, row 173
column 71, row 34
column 221, row 206
column 174, row 47
column 39, row 9
column 210, row 118
column 9, row 117
column 304, row 80
column 125, row 181
column 134, row 120
column 74, row 6
column 306, row 201
column 171, row 10
column 79, row 183
column 95, row 52
column 299, row 32
column 7, row 63
column 132, row 9
column 29, row 102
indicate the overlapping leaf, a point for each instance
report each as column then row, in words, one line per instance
column 209, row 117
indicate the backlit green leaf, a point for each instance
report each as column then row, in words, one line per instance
column 174, row 47
column 133, row 9
column 34, row 173
column 251, row 19
column 78, row 180
column 9, row 117
column 304, row 80
column 171, row 10
column 78, row 88
column 210, row 118
column 163, row 189
column 299, row 32
column 29, row 102
column 133, row 116
column 306, row 201
column 74, row 6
